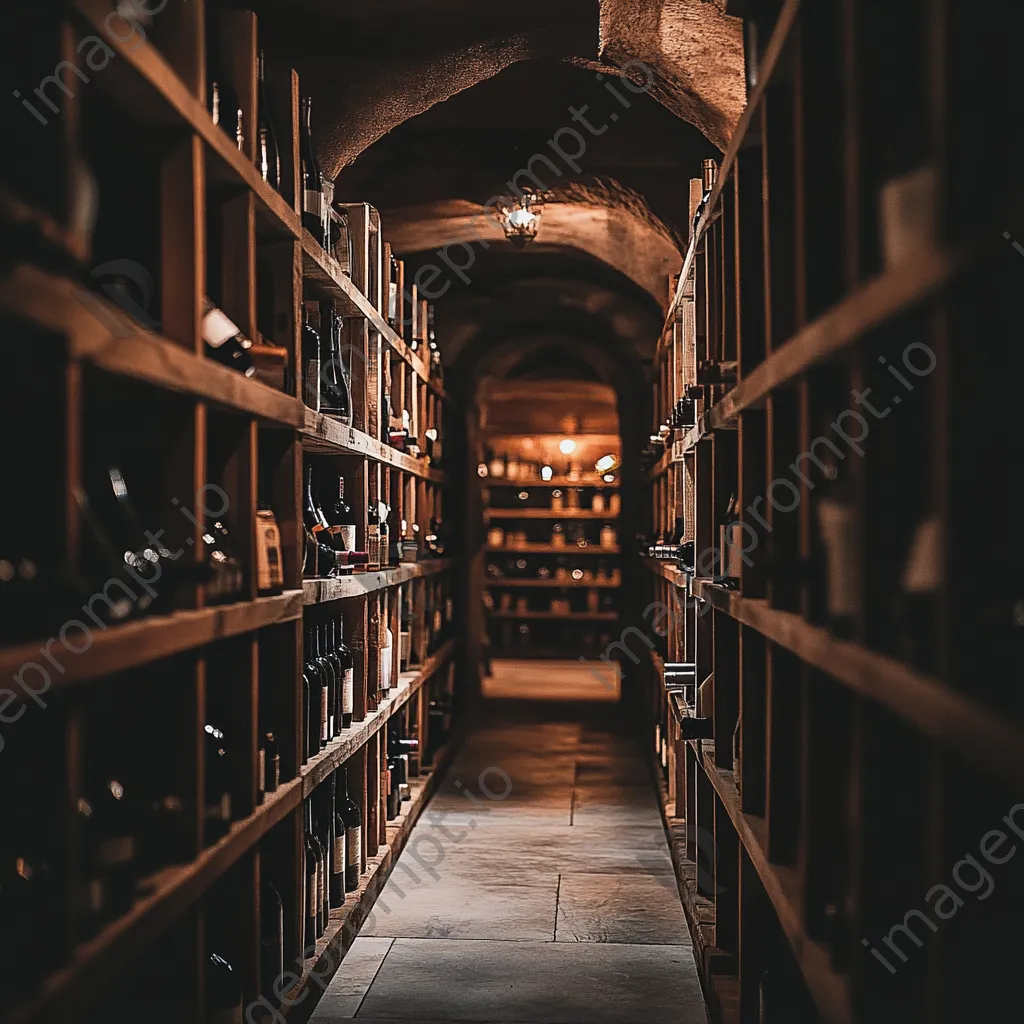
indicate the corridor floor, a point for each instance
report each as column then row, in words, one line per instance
column 536, row 889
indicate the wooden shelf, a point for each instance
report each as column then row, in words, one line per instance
column 543, row 513
column 345, row 922
column 981, row 736
column 339, row 750
column 362, row 583
column 160, row 636
column 867, row 306
column 570, row 617
column 828, row 988
column 147, row 85
column 550, row 549
column 173, row 890
column 329, row 436
column 101, row 334
column 320, row 267
column 563, row 584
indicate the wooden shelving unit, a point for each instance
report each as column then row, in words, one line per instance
column 533, row 605
column 861, row 739
column 187, row 210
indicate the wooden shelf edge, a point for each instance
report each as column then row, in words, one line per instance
column 146, row 640
column 103, row 958
column 101, row 334
column 328, row 435
column 978, row 734
column 346, row 921
column 363, row 583
column 320, row 768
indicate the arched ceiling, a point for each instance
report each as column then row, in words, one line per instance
column 427, row 110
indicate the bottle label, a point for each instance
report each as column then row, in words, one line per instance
column 348, row 537
column 338, row 866
column 346, row 692
column 321, row 883
column 324, row 719
column 313, row 888
column 262, row 770
column 220, row 811
column 353, row 845
column 114, row 852
column 275, row 773
column 313, row 202
column 392, row 300
column 838, row 521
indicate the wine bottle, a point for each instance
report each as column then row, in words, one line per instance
column 838, row 526
column 271, row 940
column 373, row 538
column 311, row 384
column 270, row 763
column 228, row 577
column 311, row 883
column 318, row 528
column 222, row 100
column 312, row 178
column 317, row 698
column 218, row 783
column 353, row 820
column 224, row 342
column 27, row 903
column 324, row 890
column 328, row 692
column 340, row 858
column 347, row 695
column 268, row 156
column 342, row 520
column 222, row 990
column 269, row 566
column 308, row 688
column 334, row 400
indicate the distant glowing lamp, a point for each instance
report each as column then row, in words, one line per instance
column 546, row 473
column 567, row 446
column 606, row 463
column 608, row 478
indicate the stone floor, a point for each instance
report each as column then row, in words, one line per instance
column 535, row 889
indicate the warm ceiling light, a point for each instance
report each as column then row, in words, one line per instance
column 605, row 463
column 608, row 478
column 546, row 472
column 567, row 446
column 520, row 218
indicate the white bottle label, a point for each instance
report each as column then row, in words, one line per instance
column 262, row 770
column 348, row 537
column 354, row 845
column 346, row 692
column 338, row 866
column 324, row 720
column 321, row 882
column 313, row 892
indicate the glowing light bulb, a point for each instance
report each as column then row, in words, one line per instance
column 567, row 446
column 546, row 473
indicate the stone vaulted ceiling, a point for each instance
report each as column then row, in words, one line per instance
column 427, row 109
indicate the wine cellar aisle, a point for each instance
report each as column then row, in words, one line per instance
column 406, row 401
column 541, row 857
